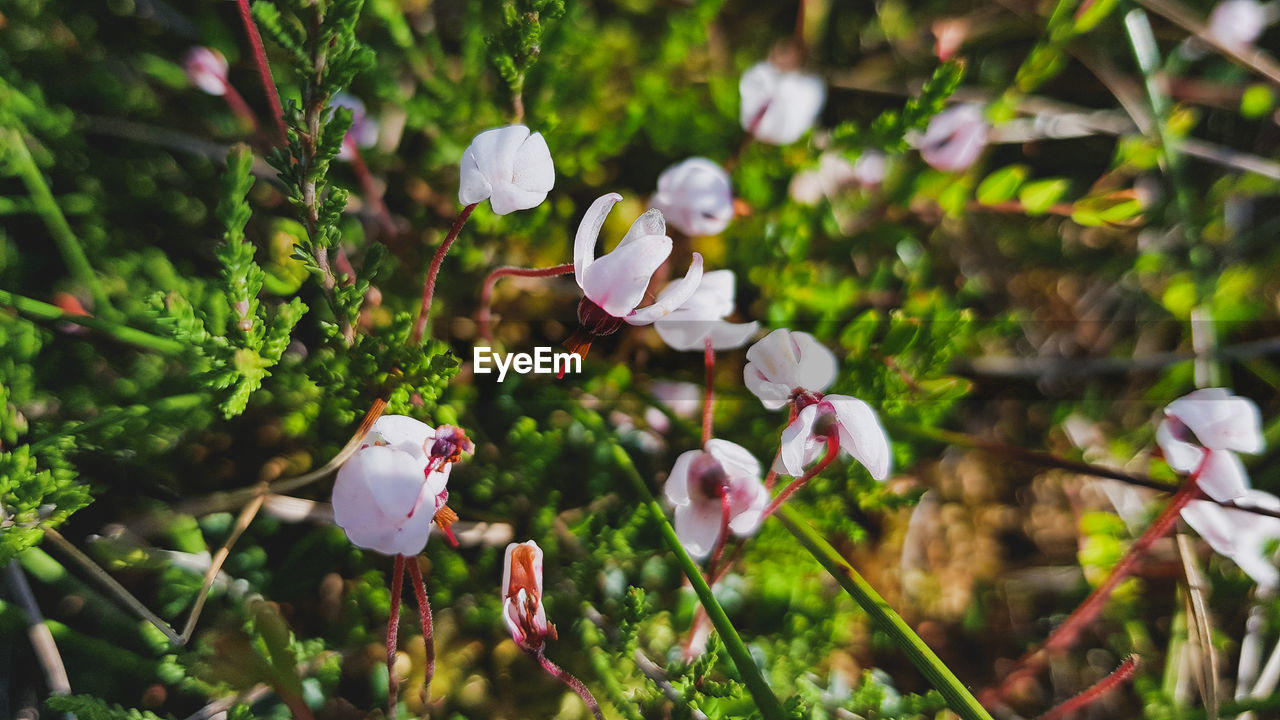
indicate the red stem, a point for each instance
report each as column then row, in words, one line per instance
column 239, row 106
column 1064, row 636
column 565, row 677
column 833, row 449
column 772, row 477
column 1102, row 687
column 393, row 634
column 372, row 194
column 486, row 290
column 429, row 287
column 264, row 70
column 708, row 414
column 428, row 628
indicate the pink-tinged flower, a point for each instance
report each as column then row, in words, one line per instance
column 614, row 283
column 1235, row 24
column 954, row 139
column 207, row 69
column 507, row 166
column 391, row 491
column 703, row 482
column 702, row 316
column 1201, row 434
column 1243, row 536
column 785, row 364
column 363, row 132
column 522, row 597
column 833, row 174
column 695, row 197
column 779, row 106
column 847, row 421
column 870, row 168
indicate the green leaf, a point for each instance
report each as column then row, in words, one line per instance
column 1001, row 185
column 1040, row 195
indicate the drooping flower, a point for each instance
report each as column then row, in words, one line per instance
column 695, row 196
column 363, row 132
column 1243, row 536
column 1201, row 434
column 522, row 597
column 779, row 106
column 702, row 316
column 784, row 365
column 206, row 69
column 703, row 483
column 614, row 283
column 1235, row 24
column 508, row 166
column 391, row 491
column 955, row 138
column 847, row 421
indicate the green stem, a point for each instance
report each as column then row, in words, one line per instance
column 137, row 338
column 44, row 203
column 765, row 700
column 940, row 676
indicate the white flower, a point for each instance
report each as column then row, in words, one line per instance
column 779, row 106
column 702, row 316
column 784, row 364
column 207, row 69
column 870, row 168
column 833, row 174
column 1201, row 434
column 507, row 166
column 954, row 139
column 1235, row 24
column 615, row 283
column 695, row 197
column 522, row 608
column 363, row 132
column 387, row 495
column 849, row 422
column 1240, row 535
column 702, row 482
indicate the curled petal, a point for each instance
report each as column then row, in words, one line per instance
column 677, row 487
column 683, row 289
column 584, row 243
column 798, row 442
column 401, row 432
column 1213, row 523
column 736, row 460
column 617, row 281
column 727, row 335
column 1181, row 456
column 1222, row 476
column 772, row 394
column 1220, row 420
column 747, row 504
column 650, row 222
column 861, row 434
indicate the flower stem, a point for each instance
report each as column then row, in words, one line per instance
column 567, row 678
column 428, row 628
column 833, row 449
column 238, row 106
column 1102, row 687
column 1064, row 636
column 768, row 704
column 940, row 676
column 722, row 538
column 772, row 477
column 393, row 635
column 264, row 69
column 708, row 398
column 429, row 287
column 137, row 338
column 47, row 207
column 486, row 290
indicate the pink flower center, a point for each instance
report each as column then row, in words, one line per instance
column 709, row 477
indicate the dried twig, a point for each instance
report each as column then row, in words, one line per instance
column 42, row 643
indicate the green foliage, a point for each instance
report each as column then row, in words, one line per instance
column 87, row 707
column 514, row 49
column 32, row 496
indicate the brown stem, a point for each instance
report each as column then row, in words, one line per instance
column 708, row 399
column 1102, row 687
column 486, row 290
column 1064, row 636
column 393, row 635
column 565, row 677
column 429, row 287
column 264, row 69
column 428, row 628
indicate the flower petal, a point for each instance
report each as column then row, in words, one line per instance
column 861, row 434
column 728, row 336
column 773, row 395
column 1222, row 476
column 1181, row 456
column 534, row 171
column 473, row 186
column 670, row 301
column 796, row 441
column 1220, row 420
column 584, row 243
column 650, row 222
column 401, row 432
column 698, row 527
column 737, row 461
column 617, row 281
column 677, row 486
column 747, row 503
